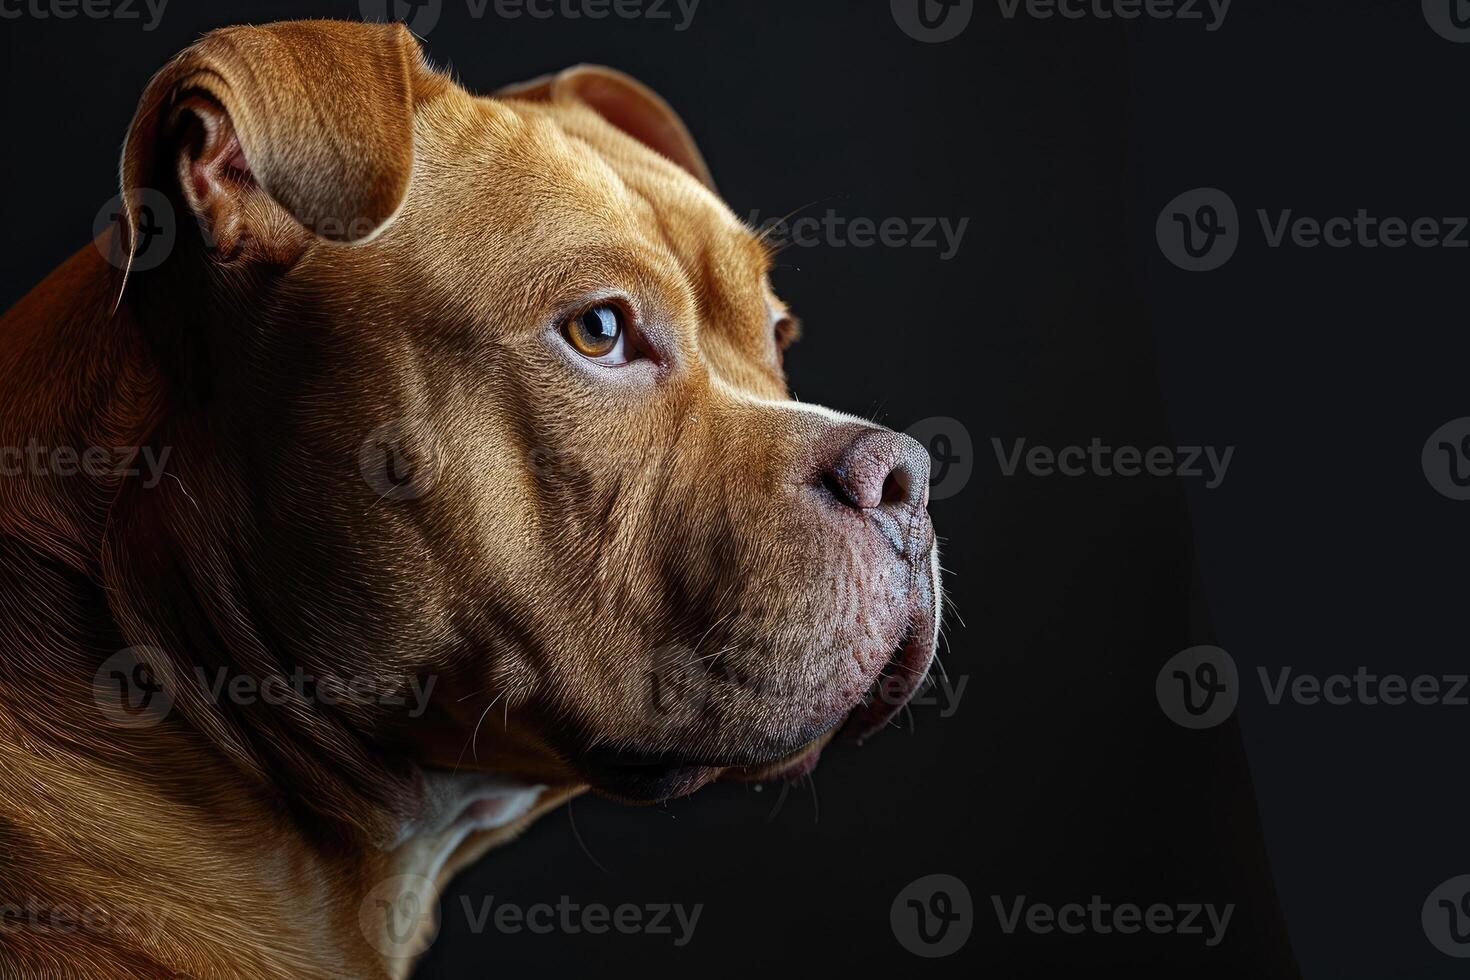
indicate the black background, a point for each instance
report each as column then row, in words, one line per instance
column 1058, row 777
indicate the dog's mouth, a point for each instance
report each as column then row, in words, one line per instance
column 906, row 669
column 794, row 766
column 636, row 776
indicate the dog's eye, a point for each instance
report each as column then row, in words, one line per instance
column 599, row 334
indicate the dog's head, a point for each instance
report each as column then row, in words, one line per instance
column 490, row 390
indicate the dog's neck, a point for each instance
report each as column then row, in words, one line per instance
column 152, row 568
column 167, row 811
column 74, row 374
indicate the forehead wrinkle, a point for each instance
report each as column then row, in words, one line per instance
column 723, row 269
column 648, row 176
column 654, row 229
column 646, row 221
column 639, row 177
column 521, row 170
column 706, row 260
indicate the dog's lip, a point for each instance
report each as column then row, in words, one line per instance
column 900, row 677
column 652, row 781
column 638, row 776
column 614, row 758
column 794, row 766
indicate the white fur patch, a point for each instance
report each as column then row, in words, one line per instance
column 459, row 804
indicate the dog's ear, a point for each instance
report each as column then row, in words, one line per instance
column 624, row 102
column 313, row 117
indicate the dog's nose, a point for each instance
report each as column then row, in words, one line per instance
column 881, row 470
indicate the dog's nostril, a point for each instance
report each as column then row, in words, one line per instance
column 880, row 468
column 896, row 487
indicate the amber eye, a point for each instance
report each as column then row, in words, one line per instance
column 598, row 334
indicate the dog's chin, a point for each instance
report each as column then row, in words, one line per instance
column 637, row 777
column 657, row 782
column 627, row 778
column 794, row 766
column 634, row 777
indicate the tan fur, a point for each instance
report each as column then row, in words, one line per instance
column 590, row 549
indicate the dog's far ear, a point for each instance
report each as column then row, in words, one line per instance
column 313, row 116
column 625, row 103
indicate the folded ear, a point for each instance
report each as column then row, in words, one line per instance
column 315, row 117
column 624, row 102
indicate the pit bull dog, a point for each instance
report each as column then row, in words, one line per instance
column 398, row 464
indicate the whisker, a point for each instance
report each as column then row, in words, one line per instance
column 475, row 734
column 780, row 800
column 571, row 819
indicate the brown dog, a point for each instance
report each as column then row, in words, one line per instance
column 482, row 486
